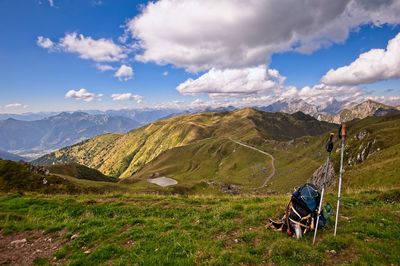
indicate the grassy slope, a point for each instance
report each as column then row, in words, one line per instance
column 15, row 176
column 295, row 162
column 212, row 156
column 381, row 169
column 155, row 230
column 124, row 155
column 80, row 171
column 220, row 160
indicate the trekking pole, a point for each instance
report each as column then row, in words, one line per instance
column 342, row 135
column 329, row 148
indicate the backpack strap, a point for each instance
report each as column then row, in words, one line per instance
column 308, row 218
column 289, row 232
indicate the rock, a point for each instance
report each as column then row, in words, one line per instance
column 318, row 176
column 18, row 242
column 363, row 155
column 362, row 134
column 130, row 242
column 74, row 236
column 236, row 241
column 332, row 251
column 87, row 252
column 226, row 188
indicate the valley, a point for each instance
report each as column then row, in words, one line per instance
column 251, row 150
column 199, row 189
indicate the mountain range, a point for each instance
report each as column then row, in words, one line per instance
column 142, row 116
column 237, row 151
column 9, row 156
column 358, row 111
column 194, row 147
column 333, row 111
column 64, row 129
column 33, row 138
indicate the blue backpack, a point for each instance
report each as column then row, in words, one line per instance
column 307, row 197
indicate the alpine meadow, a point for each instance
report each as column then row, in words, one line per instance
column 200, row 132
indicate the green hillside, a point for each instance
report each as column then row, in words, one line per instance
column 373, row 153
column 24, row 177
column 79, row 171
column 212, row 160
column 224, row 161
column 207, row 152
column 125, row 154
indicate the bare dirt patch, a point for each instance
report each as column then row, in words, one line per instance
column 24, row 247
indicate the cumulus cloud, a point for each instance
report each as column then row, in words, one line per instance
column 127, row 96
column 44, row 42
column 82, row 94
column 196, row 35
column 321, row 93
column 124, row 73
column 372, row 66
column 260, row 86
column 99, row 50
column 104, row 67
column 51, row 3
column 231, row 82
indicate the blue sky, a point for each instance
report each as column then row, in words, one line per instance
column 33, row 78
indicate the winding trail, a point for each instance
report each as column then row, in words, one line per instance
column 263, row 152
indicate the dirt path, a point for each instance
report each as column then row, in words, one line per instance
column 263, row 152
column 24, row 248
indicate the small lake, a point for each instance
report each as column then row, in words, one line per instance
column 163, row 181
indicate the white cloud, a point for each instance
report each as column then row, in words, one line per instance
column 231, row 82
column 100, row 50
column 104, row 67
column 204, row 34
column 44, row 42
column 260, row 86
column 51, row 3
column 321, row 93
column 16, row 105
column 372, row 66
column 82, row 94
column 127, row 96
column 124, row 73
column 165, row 73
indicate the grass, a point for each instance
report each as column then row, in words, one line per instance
column 80, row 172
column 221, row 160
column 123, row 229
